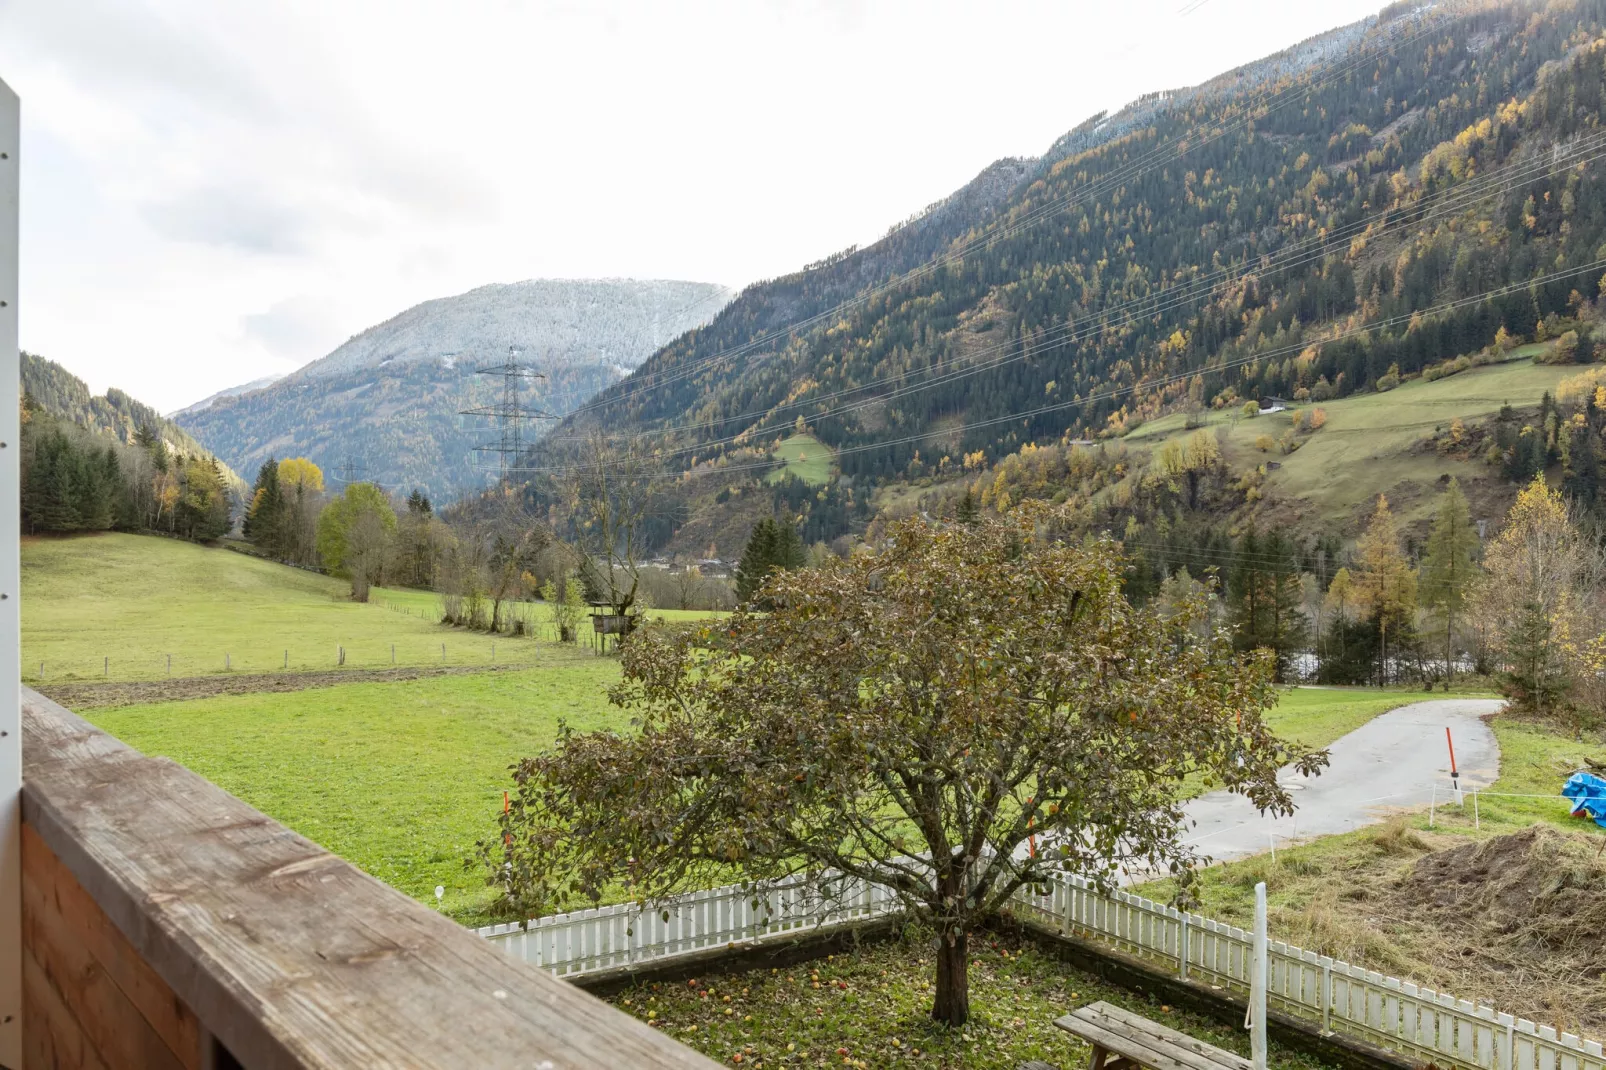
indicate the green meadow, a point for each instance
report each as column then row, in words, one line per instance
column 803, row 456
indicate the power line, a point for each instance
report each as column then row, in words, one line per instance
column 508, row 414
column 1434, row 206
column 1403, row 318
column 1301, row 254
column 1161, row 154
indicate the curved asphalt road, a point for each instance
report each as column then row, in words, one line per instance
column 1392, row 761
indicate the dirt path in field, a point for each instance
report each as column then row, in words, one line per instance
column 134, row 692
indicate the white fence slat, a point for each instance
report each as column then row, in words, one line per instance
column 1333, row 995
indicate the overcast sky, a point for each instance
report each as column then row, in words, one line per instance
column 215, row 190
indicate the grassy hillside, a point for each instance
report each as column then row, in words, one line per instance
column 137, row 598
column 1373, row 443
column 803, row 456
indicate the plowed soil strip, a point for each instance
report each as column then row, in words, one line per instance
column 138, row 692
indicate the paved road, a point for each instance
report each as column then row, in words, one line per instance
column 1392, row 761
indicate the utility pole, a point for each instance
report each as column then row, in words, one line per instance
column 10, row 597
column 508, row 414
column 350, row 471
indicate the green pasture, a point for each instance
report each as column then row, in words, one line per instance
column 117, row 606
column 1369, row 443
column 803, row 456
column 403, row 778
column 399, row 778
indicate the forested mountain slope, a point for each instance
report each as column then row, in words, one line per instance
column 1367, row 205
column 389, row 398
column 57, row 391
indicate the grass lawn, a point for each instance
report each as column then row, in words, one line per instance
column 870, row 1008
column 1315, row 716
column 804, row 456
column 400, row 779
column 1367, row 443
column 136, row 599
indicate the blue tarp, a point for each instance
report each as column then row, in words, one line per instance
column 1587, row 793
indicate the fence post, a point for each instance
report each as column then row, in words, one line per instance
column 1182, row 948
column 169, row 665
column 1327, row 997
column 287, row 660
column 1257, row 983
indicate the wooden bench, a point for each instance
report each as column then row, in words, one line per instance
column 1125, row 1041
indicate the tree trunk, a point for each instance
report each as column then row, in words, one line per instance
column 951, row 1005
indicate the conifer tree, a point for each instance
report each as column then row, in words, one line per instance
column 1447, row 565
column 758, row 559
column 1385, row 582
column 50, row 498
column 264, row 516
column 775, row 545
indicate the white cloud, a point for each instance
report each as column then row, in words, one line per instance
column 193, row 171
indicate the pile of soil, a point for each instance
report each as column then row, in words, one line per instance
column 135, row 692
column 1518, row 920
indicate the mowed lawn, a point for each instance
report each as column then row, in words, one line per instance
column 403, row 778
column 1315, row 716
column 399, row 778
column 135, row 599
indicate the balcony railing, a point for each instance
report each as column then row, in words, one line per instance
column 168, row 924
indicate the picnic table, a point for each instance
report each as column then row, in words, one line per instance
column 1125, row 1041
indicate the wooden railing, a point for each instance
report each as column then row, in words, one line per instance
column 168, row 924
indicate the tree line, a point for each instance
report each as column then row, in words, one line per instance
column 76, row 480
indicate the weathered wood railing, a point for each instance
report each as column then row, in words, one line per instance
column 168, row 924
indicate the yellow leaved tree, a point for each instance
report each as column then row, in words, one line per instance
column 1539, row 599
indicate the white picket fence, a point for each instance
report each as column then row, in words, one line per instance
column 606, row 937
column 1424, row 1025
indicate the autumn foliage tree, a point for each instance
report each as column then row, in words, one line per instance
column 1539, row 597
column 963, row 713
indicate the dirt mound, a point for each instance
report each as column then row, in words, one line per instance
column 137, row 692
column 1521, row 919
column 1539, row 889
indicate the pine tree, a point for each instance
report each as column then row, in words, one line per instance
column 50, row 496
column 1385, row 582
column 758, row 559
column 774, row 545
column 1447, row 568
column 264, row 518
column 789, row 550
column 967, row 512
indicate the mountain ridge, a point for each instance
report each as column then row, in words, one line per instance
column 1201, row 248
column 388, row 399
